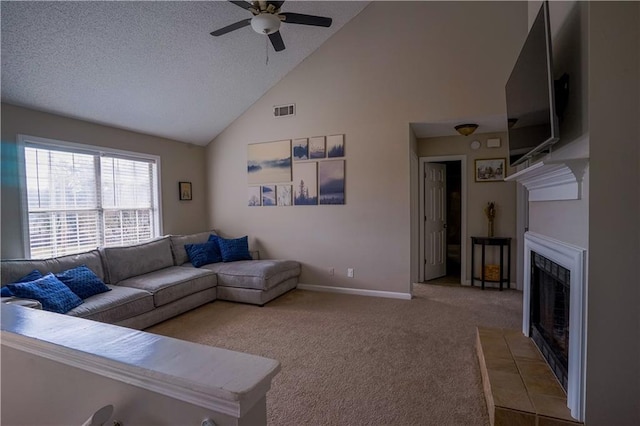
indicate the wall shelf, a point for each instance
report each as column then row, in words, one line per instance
column 553, row 180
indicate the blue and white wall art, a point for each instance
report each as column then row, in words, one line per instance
column 335, row 146
column 269, row 162
column 254, row 196
column 331, row 181
column 300, row 149
column 283, row 195
column 305, row 184
column 317, row 147
column 268, row 195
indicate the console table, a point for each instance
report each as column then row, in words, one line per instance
column 501, row 242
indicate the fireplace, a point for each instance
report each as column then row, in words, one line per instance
column 549, row 316
column 554, row 311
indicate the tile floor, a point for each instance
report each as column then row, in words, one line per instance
column 519, row 386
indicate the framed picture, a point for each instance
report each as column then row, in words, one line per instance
column 254, row 196
column 305, row 184
column 269, row 162
column 317, row 148
column 490, row 170
column 184, row 189
column 300, row 149
column 268, row 195
column 331, row 181
column 335, row 146
column 283, row 195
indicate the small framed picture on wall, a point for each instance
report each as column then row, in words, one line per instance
column 490, row 170
column 184, row 189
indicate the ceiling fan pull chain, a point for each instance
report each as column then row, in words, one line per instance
column 266, row 49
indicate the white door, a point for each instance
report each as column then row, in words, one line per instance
column 435, row 185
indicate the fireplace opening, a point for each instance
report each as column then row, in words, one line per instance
column 549, row 321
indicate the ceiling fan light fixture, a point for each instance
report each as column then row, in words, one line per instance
column 466, row 129
column 265, row 23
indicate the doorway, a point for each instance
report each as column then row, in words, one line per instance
column 442, row 235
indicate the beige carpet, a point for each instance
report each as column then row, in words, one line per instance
column 354, row 360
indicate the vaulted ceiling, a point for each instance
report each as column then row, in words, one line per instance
column 150, row 66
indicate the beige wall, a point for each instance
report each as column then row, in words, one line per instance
column 395, row 63
column 179, row 162
column 598, row 44
column 480, row 193
column 613, row 330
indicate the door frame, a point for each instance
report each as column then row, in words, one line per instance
column 463, row 208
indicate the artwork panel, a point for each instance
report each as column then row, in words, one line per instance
column 317, row 147
column 335, row 146
column 331, row 182
column 300, row 149
column 490, row 170
column 284, row 195
column 268, row 195
column 269, row 162
column 254, row 196
column 305, row 184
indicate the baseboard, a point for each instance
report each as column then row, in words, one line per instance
column 355, row 291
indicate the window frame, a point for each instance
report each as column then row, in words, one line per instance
column 24, row 141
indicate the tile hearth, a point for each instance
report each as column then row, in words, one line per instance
column 519, row 386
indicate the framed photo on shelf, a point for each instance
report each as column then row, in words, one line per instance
column 490, row 169
column 184, row 189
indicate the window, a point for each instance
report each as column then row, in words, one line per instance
column 80, row 197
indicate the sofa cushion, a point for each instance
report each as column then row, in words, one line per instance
column 201, row 254
column 130, row 261
column 49, row 291
column 11, row 270
column 255, row 274
column 82, row 281
column 116, row 305
column 178, row 242
column 233, row 249
column 172, row 283
column 31, row 276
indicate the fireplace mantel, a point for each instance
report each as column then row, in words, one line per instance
column 552, row 180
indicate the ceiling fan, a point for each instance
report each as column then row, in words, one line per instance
column 267, row 18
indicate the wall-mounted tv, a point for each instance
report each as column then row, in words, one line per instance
column 531, row 111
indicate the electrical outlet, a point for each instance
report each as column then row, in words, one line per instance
column 350, row 272
column 332, row 271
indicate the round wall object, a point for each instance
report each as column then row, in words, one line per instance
column 475, row 145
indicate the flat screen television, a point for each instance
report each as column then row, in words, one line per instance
column 531, row 110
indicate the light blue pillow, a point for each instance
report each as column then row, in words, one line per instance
column 203, row 254
column 49, row 291
column 234, row 249
column 82, row 281
column 31, row 276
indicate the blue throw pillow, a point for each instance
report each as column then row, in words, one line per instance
column 203, row 254
column 82, row 281
column 48, row 290
column 234, row 249
column 31, row 276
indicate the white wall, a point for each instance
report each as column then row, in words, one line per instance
column 179, row 162
column 393, row 64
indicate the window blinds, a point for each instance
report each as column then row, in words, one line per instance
column 80, row 200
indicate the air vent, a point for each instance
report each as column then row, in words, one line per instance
column 284, row 110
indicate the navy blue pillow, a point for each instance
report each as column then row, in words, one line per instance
column 82, row 281
column 48, row 290
column 234, row 249
column 31, row 276
column 203, row 254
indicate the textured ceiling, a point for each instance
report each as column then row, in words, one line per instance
column 150, row 66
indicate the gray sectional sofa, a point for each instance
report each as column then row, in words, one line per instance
column 154, row 281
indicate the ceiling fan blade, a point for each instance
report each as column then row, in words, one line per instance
column 298, row 18
column 276, row 4
column 231, row 27
column 242, row 4
column 276, row 41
